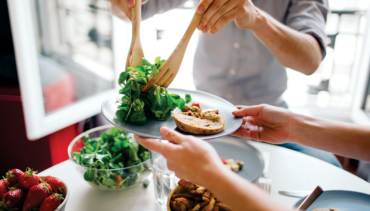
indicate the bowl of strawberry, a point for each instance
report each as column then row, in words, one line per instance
column 25, row 191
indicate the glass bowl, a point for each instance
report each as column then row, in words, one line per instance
column 105, row 179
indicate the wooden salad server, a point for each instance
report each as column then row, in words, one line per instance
column 170, row 68
column 135, row 53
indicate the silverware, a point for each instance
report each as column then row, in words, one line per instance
column 293, row 193
column 310, row 199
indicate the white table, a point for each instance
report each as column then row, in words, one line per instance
column 288, row 169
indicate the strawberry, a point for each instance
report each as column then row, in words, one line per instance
column 52, row 202
column 36, row 196
column 14, row 198
column 28, row 179
column 56, row 184
column 13, row 176
column 4, row 185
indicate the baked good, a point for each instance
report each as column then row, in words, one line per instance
column 206, row 122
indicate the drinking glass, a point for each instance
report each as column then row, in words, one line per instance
column 164, row 179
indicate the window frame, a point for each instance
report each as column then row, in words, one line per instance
column 37, row 123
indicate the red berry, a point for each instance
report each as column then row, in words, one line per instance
column 28, row 179
column 55, row 183
column 52, row 202
column 13, row 176
column 14, row 198
column 4, row 185
column 36, row 196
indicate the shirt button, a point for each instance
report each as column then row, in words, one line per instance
column 236, row 45
column 232, row 72
column 229, row 96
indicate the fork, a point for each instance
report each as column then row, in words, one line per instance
column 135, row 54
column 170, row 68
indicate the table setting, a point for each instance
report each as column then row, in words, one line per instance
column 108, row 170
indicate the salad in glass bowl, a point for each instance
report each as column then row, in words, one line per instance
column 110, row 158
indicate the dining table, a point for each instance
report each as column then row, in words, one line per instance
column 287, row 169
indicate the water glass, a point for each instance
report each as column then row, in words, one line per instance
column 164, row 179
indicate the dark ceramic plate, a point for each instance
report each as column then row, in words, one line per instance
column 230, row 147
column 340, row 200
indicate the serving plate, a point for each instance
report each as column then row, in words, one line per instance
column 151, row 129
column 340, row 200
column 230, row 147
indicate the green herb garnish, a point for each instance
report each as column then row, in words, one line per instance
column 135, row 106
column 112, row 150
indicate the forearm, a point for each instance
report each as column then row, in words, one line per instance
column 340, row 138
column 293, row 49
column 238, row 193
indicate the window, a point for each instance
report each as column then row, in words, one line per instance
column 75, row 50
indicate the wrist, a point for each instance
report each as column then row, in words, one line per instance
column 215, row 176
column 261, row 21
column 301, row 127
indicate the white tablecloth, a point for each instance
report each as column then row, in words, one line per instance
column 288, row 170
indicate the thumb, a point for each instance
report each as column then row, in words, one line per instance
column 172, row 136
column 248, row 111
column 131, row 3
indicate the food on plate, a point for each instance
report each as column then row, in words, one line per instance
column 195, row 198
column 25, row 193
column 196, row 120
column 235, row 166
column 112, row 150
column 134, row 107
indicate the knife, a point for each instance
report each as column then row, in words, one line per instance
column 292, row 193
column 310, row 199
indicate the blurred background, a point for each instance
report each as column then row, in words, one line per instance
column 80, row 49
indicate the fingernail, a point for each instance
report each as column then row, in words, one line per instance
column 200, row 9
column 204, row 29
column 165, row 131
column 200, row 26
column 130, row 2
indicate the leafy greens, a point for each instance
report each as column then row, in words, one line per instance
column 135, row 106
column 112, row 150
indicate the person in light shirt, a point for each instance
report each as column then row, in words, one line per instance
column 197, row 161
column 246, row 46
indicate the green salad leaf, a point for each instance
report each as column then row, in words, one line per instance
column 113, row 150
column 134, row 107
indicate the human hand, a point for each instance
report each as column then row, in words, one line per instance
column 265, row 123
column 189, row 157
column 123, row 8
column 218, row 13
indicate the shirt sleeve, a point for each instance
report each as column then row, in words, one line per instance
column 309, row 16
column 153, row 7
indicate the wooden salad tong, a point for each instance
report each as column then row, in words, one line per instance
column 170, row 68
column 135, row 54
